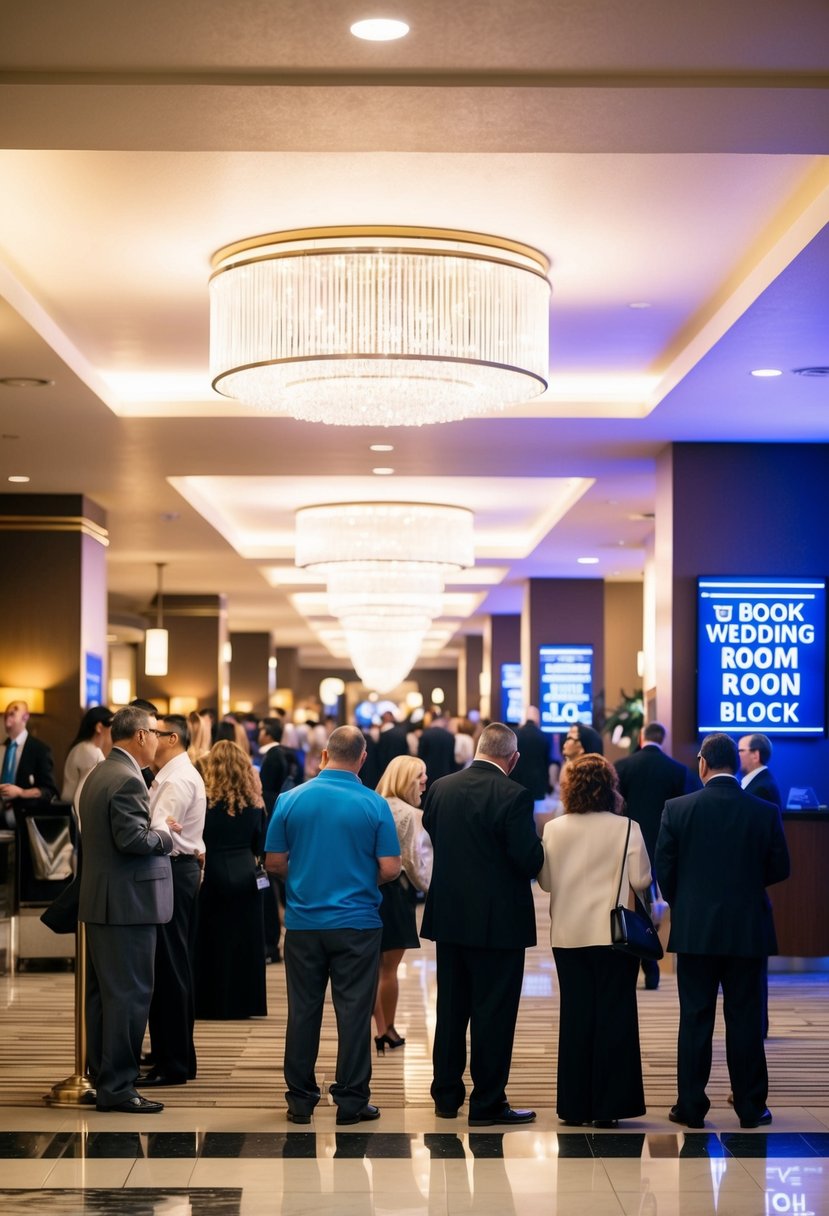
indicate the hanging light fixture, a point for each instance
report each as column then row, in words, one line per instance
column 379, row 326
column 156, row 640
column 385, row 564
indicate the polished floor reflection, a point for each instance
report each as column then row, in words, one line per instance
column 223, row 1146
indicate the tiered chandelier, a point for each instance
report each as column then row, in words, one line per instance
column 384, row 564
column 379, row 326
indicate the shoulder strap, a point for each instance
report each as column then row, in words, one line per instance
column 622, row 871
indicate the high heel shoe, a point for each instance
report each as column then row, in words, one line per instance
column 380, row 1044
column 396, row 1042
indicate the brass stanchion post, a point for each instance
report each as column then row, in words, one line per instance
column 76, row 1090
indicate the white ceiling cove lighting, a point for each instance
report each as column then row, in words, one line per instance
column 379, row 29
column 379, row 326
column 385, row 565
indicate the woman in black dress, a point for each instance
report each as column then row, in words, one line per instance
column 230, row 948
column 402, row 785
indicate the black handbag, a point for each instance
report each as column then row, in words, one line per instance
column 632, row 931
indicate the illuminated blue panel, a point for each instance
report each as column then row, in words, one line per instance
column 761, row 655
column 566, row 686
column 512, row 694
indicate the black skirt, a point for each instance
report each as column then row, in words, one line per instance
column 397, row 912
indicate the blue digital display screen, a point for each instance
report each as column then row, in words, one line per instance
column 512, row 694
column 566, row 686
column 761, row 655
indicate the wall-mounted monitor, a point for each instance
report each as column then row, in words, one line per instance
column 761, row 655
column 566, row 686
column 512, row 694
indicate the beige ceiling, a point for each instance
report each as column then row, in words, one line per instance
column 657, row 152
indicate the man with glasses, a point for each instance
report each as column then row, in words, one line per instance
column 126, row 892
column 177, row 805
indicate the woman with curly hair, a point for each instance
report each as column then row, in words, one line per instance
column 599, row 1064
column 230, row 948
column 402, row 785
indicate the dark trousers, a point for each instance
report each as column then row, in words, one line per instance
column 699, row 977
column 172, row 1009
column 350, row 959
column 480, row 989
column 119, row 984
column 599, row 1064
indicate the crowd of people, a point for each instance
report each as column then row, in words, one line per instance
column 196, row 834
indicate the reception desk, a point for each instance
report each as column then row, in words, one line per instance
column 801, row 904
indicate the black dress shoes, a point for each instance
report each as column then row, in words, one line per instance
column 133, row 1106
column 158, row 1078
column 762, row 1121
column 508, row 1117
column 293, row 1117
column 445, row 1114
column 362, row 1116
column 676, row 1116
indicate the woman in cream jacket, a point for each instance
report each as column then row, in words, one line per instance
column 599, row 1064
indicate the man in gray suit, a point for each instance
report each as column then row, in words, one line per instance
column 126, row 891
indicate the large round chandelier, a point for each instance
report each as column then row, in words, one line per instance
column 384, row 565
column 379, row 326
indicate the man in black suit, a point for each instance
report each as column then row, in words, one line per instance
column 480, row 912
column 717, row 851
column 437, row 750
column 27, row 777
column 757, row 779
column 647, row 779
column 392, row 741
column 534, row 757
column 126, row 891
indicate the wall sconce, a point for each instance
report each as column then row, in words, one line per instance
column 331, row 688
column 120, row 691
column 32, row 696
column 156, row 640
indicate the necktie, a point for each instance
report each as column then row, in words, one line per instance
column 7, row 776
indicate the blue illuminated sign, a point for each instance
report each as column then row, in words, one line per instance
column 93, row 680
column 512, row 694
column 761, row 655
column 566, row 686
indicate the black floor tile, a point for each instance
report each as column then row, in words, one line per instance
column 22, row 1145
column 818, row 1141
column 95, row 1145
column 767, row 1144
column 173, row 1144
column 443, row 1146
column 613, row 1144
column 122, row 1202
column 244, row 1144
column 701, row 1144
column 573, row 1144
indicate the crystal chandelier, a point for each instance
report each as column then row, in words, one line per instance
column 379, row 326
column 384, row 564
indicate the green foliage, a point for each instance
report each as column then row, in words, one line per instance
column 624, row 723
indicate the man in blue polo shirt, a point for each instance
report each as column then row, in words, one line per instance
column 333, row 842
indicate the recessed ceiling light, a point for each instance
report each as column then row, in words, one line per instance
column 639, row 304
column 24, row 382
column 587, row 561
column 21, row 479
column 765, row 372
column 379, row 29
column 382, row 447
column 383, row 472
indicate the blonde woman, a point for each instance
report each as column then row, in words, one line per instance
column 230, row 948
column 402, row 785
column 200, row 736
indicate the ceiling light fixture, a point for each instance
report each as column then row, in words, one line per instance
column 156, row 640
column 766, row 373
column 379, row 326
column 383, row 472
column 24, row 382
column 20, row 478
column 587, row 561
column 379, row 29
column 381, row 447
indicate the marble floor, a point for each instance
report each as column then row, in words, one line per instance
column 222, row 1145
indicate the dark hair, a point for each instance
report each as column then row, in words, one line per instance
column 147, row 706
column 224, row 732
column 720, row 752
column 590, row 739
column 761, row 744
column 98, row 713
column 128, row 721
column 178, row 723
column 272, row 727
column 589, row 784
column 654, row 732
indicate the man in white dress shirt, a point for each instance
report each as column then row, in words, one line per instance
column 177, row 805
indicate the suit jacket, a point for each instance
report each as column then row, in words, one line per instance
column 764, row 786
column 35, row 768
column 273, row 772
column 391, row 743
column 533, row 767
column 486, row 850
column 716, row 853
column 437, row 751
column 647, row 779
column 126, row 877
